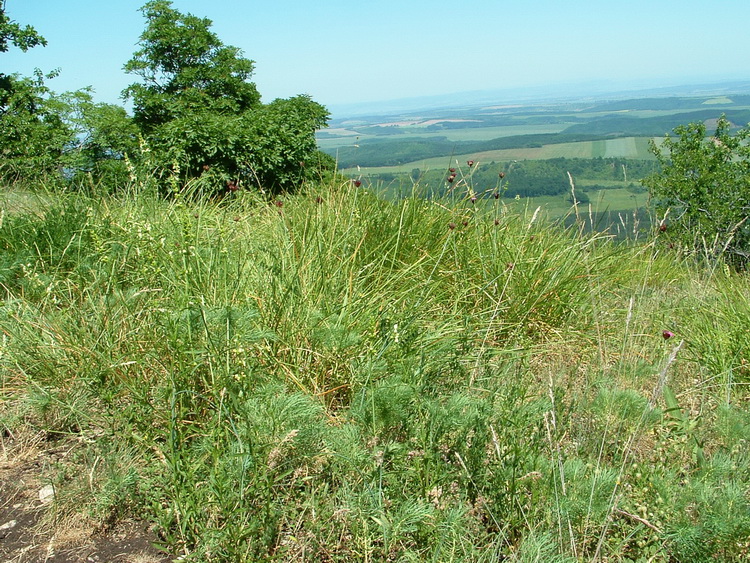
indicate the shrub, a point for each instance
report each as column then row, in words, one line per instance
column 704, row 188
column 203, row 118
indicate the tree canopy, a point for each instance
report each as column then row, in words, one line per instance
column 203, row 118
column 12, row 33
column 704, row 189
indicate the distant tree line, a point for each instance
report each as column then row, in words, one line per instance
column 530, row 178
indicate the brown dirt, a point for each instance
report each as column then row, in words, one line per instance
column 29, row 532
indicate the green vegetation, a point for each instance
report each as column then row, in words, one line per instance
column 529, row 178
column 384, row 141
column 703, row 190
column 327, row 374
column 197, row 121
column 203, row 119
column 332, row 375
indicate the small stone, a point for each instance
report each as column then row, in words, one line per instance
column 46, row 494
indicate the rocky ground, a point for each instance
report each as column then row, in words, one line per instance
column 29, row 530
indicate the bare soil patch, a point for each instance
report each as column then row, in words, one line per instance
column 29, row 530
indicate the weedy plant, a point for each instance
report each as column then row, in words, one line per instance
column 330, row 375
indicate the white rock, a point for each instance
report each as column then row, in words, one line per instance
column 46, row 494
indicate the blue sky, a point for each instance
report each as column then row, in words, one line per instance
column 348, row 51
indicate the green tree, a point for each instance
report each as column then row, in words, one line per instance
column 44, row 135
column 33, row 134
column 202, row 117
column 704, row 187
column 11, row 32
column 27, row 128
column 103, row 135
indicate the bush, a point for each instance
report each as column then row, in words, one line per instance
column 703, row 190
column 201, row 116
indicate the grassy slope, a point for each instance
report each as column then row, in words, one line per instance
column 339, row 377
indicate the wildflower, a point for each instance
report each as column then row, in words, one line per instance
column 232, row 186
column 278, row 203
column 465, row 223
column 318, row 199
column 502, row 175
column 470, row 163
column 497, row 222
column 206, row 168
column 451, row 178
column 496, row 195
column 663, row 227
column 452, row 170
column 451, row 226
column 667, row 334
column 473, row 199
column 357, row 183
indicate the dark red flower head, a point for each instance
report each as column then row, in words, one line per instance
column 663, row 227
column 667, row 334
column 357, row 183
column 278, row 203
column 470, row 163
column 502, row 175
column 496, row 195
column 473, row 199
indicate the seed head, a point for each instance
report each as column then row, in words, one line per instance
column 502, row 175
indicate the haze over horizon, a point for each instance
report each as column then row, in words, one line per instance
column 343, row 53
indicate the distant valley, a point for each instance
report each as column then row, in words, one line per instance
column 604, row 140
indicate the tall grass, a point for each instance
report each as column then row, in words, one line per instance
column 331, row 376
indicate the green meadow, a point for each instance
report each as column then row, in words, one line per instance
column 334, row 376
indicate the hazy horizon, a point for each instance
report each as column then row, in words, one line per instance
column 345, row 54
